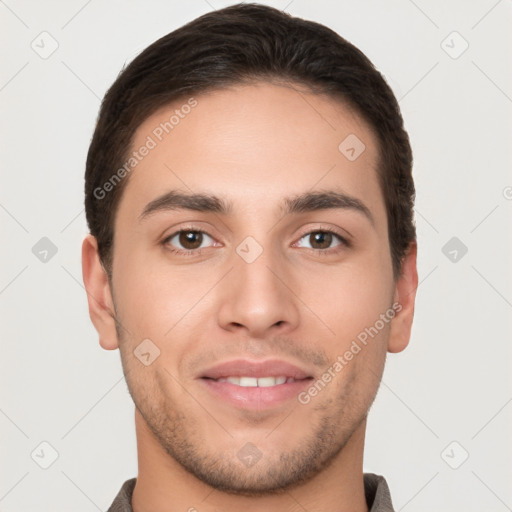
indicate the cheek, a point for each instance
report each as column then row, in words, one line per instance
column 349, row 299
column 156, row 301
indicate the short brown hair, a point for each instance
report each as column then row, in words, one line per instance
column 237, row 45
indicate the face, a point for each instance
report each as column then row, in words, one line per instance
column 278, row 271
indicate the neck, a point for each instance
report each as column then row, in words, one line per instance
column 163, row 485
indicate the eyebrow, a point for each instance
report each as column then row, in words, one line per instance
column 307, row 202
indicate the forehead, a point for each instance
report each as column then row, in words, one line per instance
column 254, row 144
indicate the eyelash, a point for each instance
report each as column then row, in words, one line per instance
column 197, row 252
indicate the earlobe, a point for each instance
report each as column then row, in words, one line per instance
column 99, row 297
column 405, row 296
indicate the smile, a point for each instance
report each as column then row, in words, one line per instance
column 260, row 382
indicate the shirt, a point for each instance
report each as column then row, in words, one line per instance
column 376, row 491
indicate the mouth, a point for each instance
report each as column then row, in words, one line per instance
column 260, row 382
column 255, row 385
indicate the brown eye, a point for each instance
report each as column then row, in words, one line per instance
column 187, row 240
column 190, row 239
column 320, row 239
column 323, row 240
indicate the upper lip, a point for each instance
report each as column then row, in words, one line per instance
column 248, row 368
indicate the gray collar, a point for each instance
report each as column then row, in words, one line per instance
column 376, row 491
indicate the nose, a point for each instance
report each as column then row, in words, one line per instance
column 258, row 300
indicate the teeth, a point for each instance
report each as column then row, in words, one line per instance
column 252, row 382
column 265, row 382
column 248, row 382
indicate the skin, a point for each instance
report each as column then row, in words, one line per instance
column 253, row 145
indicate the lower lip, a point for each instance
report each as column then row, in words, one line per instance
column 256, row 397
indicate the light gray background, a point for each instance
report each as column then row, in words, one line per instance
column 453, row 383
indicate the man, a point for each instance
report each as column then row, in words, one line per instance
column 252, row 255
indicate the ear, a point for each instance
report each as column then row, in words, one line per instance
column 405, row 296
column 99, row 297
